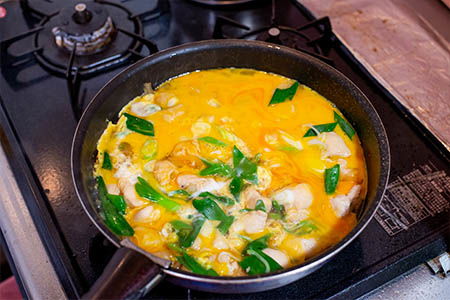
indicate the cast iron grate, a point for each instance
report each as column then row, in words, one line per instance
column 315, row 38
column 123, row 43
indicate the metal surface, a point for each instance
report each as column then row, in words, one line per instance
column 242, row 54
column 416, row 284
column 32, row 263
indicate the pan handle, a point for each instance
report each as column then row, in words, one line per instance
column 129, row 274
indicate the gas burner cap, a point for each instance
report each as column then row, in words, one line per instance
column 85, row 27
column 274, row 31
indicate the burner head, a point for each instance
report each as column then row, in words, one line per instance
column 85, row 26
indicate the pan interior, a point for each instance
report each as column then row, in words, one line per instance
column 221, row 54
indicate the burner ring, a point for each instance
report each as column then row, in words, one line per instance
column 87, row 28
column 120, row 48
column 86, row 43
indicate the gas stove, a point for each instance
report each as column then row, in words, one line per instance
column 55, row 55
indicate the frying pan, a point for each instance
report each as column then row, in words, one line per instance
column 132, row 272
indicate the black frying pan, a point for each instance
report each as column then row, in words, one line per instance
column 131, row 273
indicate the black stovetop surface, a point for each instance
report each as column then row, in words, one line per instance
column 37, row 124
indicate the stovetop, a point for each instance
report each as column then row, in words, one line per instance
column 39, row 111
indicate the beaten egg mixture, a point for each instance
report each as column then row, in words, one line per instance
column 231, row 172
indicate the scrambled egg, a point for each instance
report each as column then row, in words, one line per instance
column 198, row 118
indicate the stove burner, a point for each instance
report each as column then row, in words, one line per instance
column 77, row 40
column 86, row 28
column 314, row 38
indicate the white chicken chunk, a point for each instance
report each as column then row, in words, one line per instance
column 113, row 189
column 127, row 177
column 344, row 170
column 341, row 203
column 196, row 185
column 298, row 196
column 251, row 222
column 334, row 145
column 309, row 246
column 280, row 257
column 129, row 193
column 220, row 242
column 147, row 214
column 250, row 196
column 164, row 171
column 200, row 128
column 144, row 109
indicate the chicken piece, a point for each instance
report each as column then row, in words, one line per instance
column 341, row 203
column 220, row 242
column 170, row 114
column 334, row 145
column 129, row 193
column 295, row 216
column 127, row 176
column 147, row 214
column 150, row 166
column 208, row 228
column 251, row 222
column 298, row 196
column 309, row 246
column 166, row 100
column 186, row 153
column 264, row 178
column 144, row 109
column 344, row 171
column 113, row 189
column 200, row 128
column 250, row 196
column 231, row 263
column 280, row 257
column 164, row 172
column 196, row 185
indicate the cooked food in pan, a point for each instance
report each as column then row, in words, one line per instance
column 231, row 172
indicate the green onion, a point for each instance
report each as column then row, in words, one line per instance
column 211, row 140
column 149, row 149
column 236, row 186
column 190, row 263
column 175, row 247
column 212, row 211
column 139, row 125
column 219, row 169
column 345, row 126
column 145, row 190
column 113, row 219
column 257, row 262
column 331, row 179
column 288, row 149
column 225, row 200
column 107, row 165
column 188, row 233
column 320, row 128
column 302, row 228
column 281, row 95
column 119, row 202
column 277, row 211
column 258, row 206
column 178, row 193
column 244, row 168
